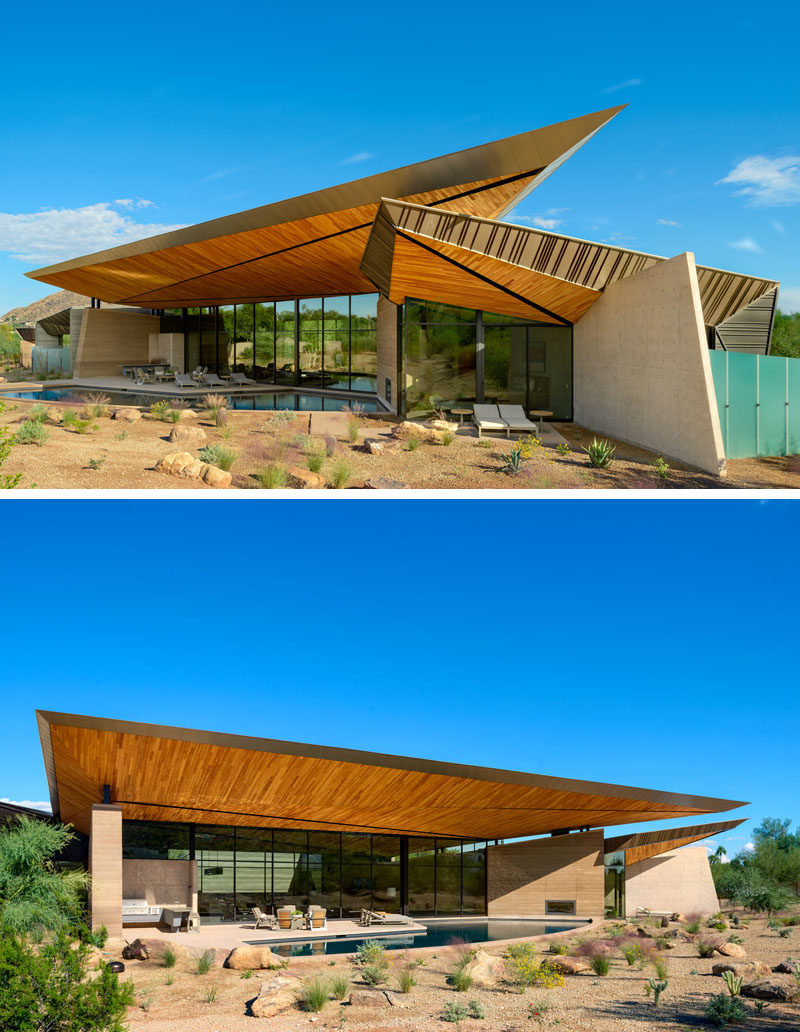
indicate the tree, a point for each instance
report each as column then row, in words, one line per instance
column 35, row 897
column 786, row 335
column 7, row 442
column 9, row 343
column 777, row 830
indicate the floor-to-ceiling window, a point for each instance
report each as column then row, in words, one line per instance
column 446, row 877
column 363, row 342
column 441, row 344
column 310, row 341
column 528, row 364
column 264, row 342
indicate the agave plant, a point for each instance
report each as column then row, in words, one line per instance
column 601, row 453
column 514, row 461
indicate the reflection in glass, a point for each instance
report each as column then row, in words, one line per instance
column 310, row 334
column 284, row 342
column 264, row 336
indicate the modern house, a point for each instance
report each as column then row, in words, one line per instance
column 409, row 284
column 220, row 823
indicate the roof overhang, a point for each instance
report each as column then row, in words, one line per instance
column 179, row 774
column 644, row 844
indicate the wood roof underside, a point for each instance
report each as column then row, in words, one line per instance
column 438, row 255
column 176, row 774
column 313, row 244
column 643, row 845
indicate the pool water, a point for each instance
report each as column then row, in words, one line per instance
column 291, row 400
column 446, row 933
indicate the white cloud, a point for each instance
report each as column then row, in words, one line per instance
column 766, row 181
column 746, row 244
column 789, row 299
column 669, row 222
column 27, row 802
column 622, row 85
column 749, row 847
column 355, row 158
column 55, row 234
column 546, row 220
column 777, row 226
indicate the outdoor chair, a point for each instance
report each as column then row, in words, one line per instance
column 264, row 920
column 371, row 917
column 285, row 917
column 212, row 380
column 241, row 379
column 515, row 417
column 487, row 417
column 200, row 371
column 318, row 917
column 184, row 380
column 142, row 377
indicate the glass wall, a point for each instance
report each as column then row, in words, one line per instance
column 528, row 364
column 615, row 884
column 239, row 868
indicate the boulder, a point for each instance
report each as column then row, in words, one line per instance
column 276, row 995
column 787, row 967
column 408, row 429
column 215, row 477
column 242, row 958
column 569, row 965
column 442, row 424
column 127, row 413
column 731, row 949
column 187, row 413
column 187, row 433
column 680, row 918
column 368, row 998
column 135, row 950
column 174, row 463
column 644, row 933
column 484, row 969
column 3, row 379
column 742, row 968
column 384, row 484
column 184, row 464
column 373, row 446
column 777, row 990
column 302, row 479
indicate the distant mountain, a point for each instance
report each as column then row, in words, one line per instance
column 46, row 306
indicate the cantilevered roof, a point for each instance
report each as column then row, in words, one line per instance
column 427, row 252
column 178, row 774
column 313, row 244
column 644, row 844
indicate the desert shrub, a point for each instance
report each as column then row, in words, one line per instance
column 38, row 413
column 661, row 468
column 563, row 450
column 693, row 927
column 765, row 899
column 718, row 926
column 374, row 974
column 513, row 463
column 173, row 416
column 352, row 431
column 725, row 1010
column 339, row 987
column 406, row 980
column 660, row 966
column 558, row 948
column 412, row 444
column 600, row 964
column 247, row 973
column 460, row 980
column 705, row 949
column 97, row 463
column 210, row 994
column 68, row 417
column 31, row 432
column 632, row 952
column 785, row 933
column 281, row 418
column 96, row 405
column 218, row 455
column 454, row 1012
column 448, row 437
column 314, row 462
column 8, row 481
column 340, row 473
column 160, row 410
column 737, row 939
column 169, row 957
column 84, row 426
column 314, row 995
column 170, row 979
column 789, row 922
column 371, row 951
column 601, row 453
column 476, row 1009
column 526, row 968
column 273, row 476
column 205, row 962
column 657, row 988
column 213, row 403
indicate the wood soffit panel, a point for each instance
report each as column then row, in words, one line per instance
column 178, row 774
column 643, row 845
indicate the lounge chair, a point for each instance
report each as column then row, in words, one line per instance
column 487, row 417
column 515, row 417
column 199, row 372
column 264, row 920
column 142, row 377
column 371, row 917
column 241, row 379
column 212, row 380
column 184, row 380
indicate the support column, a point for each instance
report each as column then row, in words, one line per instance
column 105, row 868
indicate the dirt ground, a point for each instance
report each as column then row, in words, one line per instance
column 129, row 452
column 586, row 1002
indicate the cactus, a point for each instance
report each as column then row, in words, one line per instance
column 658, row 988
column 733, row 982
column 221, row 417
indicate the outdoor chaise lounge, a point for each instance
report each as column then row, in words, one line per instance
column 515, row 418
column 143, row 377
column 212, row 380
column 371, row 917
column 264, row 920
column 487, row 417
column 241, row 379
column 184, row 380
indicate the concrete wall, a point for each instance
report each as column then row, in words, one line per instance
column 160, row 881
column 387, row 351
column 641, row 366
column 676, row 881
column 44, row 339
column 522, row 875
column 168, row 347
column 111, row 338
column 105, row 867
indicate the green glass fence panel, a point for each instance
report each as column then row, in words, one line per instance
column 719, row 371
column 772, row 405
column 742, row 411
column 793, row 408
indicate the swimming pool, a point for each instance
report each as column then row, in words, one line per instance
column 289, row 400
column 445, row 933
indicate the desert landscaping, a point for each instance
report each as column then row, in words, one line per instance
column 605, row 977
column 87, row 443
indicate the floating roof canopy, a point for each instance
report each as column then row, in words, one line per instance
column 461, row 259
column 645, row 844
column 177, row 774
column 313, row 244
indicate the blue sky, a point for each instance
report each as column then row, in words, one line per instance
column 169, row 114
column 644, row 643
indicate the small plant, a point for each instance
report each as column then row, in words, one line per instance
column 601, row 453
column 121, row 436
column 513, row 463
column 538, row 1012
column 736, row 939
column 145, row 999
column 558, row 948
column 314, row 995
column 205, row 962
column 371, row 951
column 483, row 443
column 314, row 462
column 406, row 980
column 84, row 426
column 210, row 994
column 412, row 444
column 661, row 468
column 169, row 980
column 68, row 417
column 526, row 968
column 97, row 463
column 174, row 415
column 725, row 1010
column 705, row 949
column 213, row 403
column 340, row 472
column 38, row 413
column 246, row 973
column 96, row 405
column 528, row 445
column 218, row 455
column 98, row 937
column 160, row 410
column 339, row 987
column 785, row 933
column 447, row 437
column 281, row 418
column 693, row 927
column 761, row 1006
column 460, row 980
column 374, row 974
column 660, row 966
column 600, row 964
column 657, row 989
column 32, row 432
column 733, row 982
column 169, row 957
column 454, row 1012
column 476, row 1010
column 352, row 431
column 633, row 953
column 273, row 476
column 563, row 450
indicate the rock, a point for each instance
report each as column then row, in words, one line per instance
column 442, row 424
column 681, row 918
column 368, row 998
column 408, row 429
column 3, row 379
column 569, row 965
column 187, row 433
column 731, row 949
column 127, row 413
column 783, row 991
column 384, row 484
column 486, row 971
column 301, row 479
column 187, row 413
column 215, row 477
column 276, row 995
column 665, row 922
column 742, row 968
column 242, row 958
column 373, row 446
column 135, row 950
column 787, row 967
column 644, row 933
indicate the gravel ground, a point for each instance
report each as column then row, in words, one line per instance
column 584, row 1003
column 131, row 450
